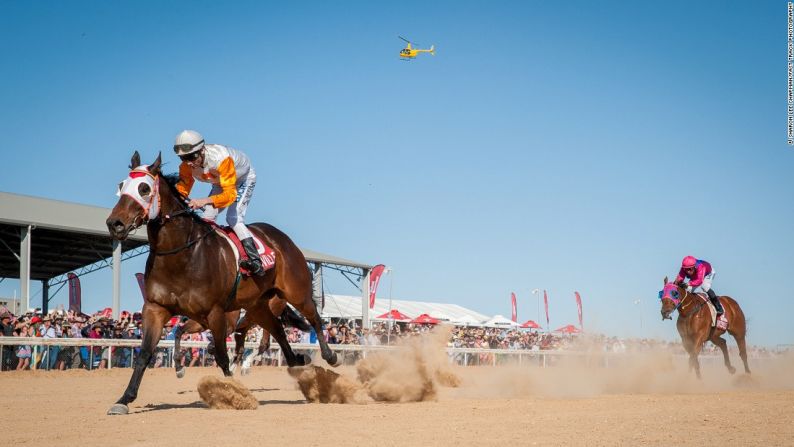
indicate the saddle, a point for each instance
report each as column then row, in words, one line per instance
column 722, row 322
column 266, row 254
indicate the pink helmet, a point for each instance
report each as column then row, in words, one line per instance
column 688, row 262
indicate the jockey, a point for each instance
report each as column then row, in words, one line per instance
column 700, row 274
column 233, row 180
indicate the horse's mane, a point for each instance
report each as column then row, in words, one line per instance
column 171, row 180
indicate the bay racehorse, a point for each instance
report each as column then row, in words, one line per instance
column 237, row 326
column 192, row 271
column 694, row 324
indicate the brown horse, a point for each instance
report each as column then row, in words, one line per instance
column 239, row 328
column 192, row 271
column 694, row 324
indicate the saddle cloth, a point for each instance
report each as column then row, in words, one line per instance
column 266, row 254
column 722, row 323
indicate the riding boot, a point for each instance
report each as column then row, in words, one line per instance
column 715, row 300
column 253, row 264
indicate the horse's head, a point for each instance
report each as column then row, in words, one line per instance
column 139, row 198
column 670, row 297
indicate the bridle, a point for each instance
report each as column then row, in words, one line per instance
column 150, row 206
column 681, row 306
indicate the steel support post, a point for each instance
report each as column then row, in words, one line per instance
column 24, row 267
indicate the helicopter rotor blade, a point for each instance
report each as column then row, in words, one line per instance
column 403, row 38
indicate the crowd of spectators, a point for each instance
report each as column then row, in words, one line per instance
column 67, row 324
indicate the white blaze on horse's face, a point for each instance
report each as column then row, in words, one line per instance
column 142, row 187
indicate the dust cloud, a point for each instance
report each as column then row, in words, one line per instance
column 226, row 394
column 411, row 373
column 641, row 373
column 419, row 369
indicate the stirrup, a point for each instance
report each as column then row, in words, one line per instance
column 254, row 267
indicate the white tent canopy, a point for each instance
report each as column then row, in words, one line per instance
column 500, row 321
column 345, row 306
column 467, row 320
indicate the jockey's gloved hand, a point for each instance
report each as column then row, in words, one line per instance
column 183, row 320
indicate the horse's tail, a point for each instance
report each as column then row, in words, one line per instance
column 292, row 318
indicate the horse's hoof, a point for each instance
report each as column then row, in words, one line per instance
column 180, row 373
column 233, row 367
column 227, row 374
column 245, row 371
column 118, row 409
column 304, row 359
column 333, row 360
column 732, row 370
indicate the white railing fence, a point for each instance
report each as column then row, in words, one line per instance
column 121, row 353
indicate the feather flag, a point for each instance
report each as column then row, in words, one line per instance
column 546, row 303
column 374, row 279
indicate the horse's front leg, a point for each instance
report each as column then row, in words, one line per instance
column 154, row 318
column 178, row 354
column 239, row 347
column 697, row 346
column 189, row 327
column 217, row 324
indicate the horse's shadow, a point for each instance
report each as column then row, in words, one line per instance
column 200, row 404
column 253, row 390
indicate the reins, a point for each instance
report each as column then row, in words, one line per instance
column 680, row 305
column 165, row 219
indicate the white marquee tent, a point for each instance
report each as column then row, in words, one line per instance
column 344, row 306
column 500, row 321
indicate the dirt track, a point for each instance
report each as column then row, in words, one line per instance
column 519, row 406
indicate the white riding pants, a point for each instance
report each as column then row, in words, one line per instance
column 235, row 213
column 706, row 285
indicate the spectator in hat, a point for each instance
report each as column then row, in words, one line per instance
column 49, row 354
column 99, row 352
column 7, row 330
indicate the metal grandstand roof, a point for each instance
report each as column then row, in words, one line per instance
column 68, row 236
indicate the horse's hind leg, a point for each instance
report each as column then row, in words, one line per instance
column 262, row 314
column 308, row 309
column 723, row 345
column 743, row 352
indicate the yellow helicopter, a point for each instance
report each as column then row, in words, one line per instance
column 408, row 53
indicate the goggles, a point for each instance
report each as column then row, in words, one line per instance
column 189, row 157
column 187, row 147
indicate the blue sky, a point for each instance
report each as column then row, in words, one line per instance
column 567, row 146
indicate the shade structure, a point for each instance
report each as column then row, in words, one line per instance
column 466, row 320
column 569, row 329
column 393, row 314
column 530, row 325
column 500, row 321
column 425, row 319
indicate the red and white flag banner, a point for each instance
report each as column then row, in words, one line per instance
column 579, row 309
column 546, row 303
column 513, row 307
column 374, row 279
column 141, row 284
column 74, row 293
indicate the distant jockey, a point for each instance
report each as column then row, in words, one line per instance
column 233, row 180
column 700, row 274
